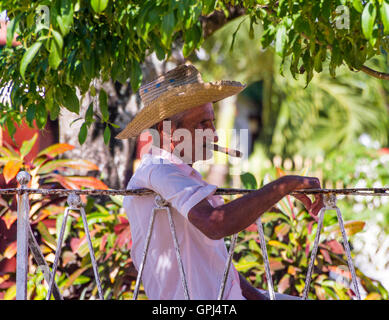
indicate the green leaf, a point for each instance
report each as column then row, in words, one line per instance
column 136, row 75
column 192, row 40
column 103, row 104
column 358, row 5
column 30, row 114
column 82, row 134
column 159, row 51
column 384, row 10
column 107, row 135
column 167, row 27
column 27, row 145
column 41, row 115
column 248, row 180
column 89, row 114
column 281, row 40
column 67, row 163
column 10, row 127
column 65, row 18
column 59, row 224
column 11, row 28
column 56, row 45
column 58, row 38
column 368, row 18
column 208, row 7
column 99, row 5
column 70, row 99
column 28, row 56
column 44, row 231
column 55, row 150
column 81, row 280
column 55, row 55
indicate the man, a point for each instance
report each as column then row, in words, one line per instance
column 201, row 219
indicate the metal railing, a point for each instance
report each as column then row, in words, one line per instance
column 26, row 239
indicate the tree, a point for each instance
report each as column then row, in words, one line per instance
column 69, row 46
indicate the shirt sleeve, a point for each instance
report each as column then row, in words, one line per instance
column 183, row 192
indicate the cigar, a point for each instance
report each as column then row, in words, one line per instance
column 228, row 151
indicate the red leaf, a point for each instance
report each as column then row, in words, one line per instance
column 87, row 182
column 326, row 255
column 282, row 229
column 120, row 227
column 124, row 238
column 284, row 283
column 7, row 284
column 9, row 219
column 8, row 265
column 56, row 149
column 252, row 228
column 103, row 242
column 307, row 249
column 50, row 223
column 67, row 163
column 123, row 220
column 10, row 251
column 280, row 172
column 75, row 243
column 111, row 251
column 11, row 169
column 275, row 264
column 335, row 247
column 309, row 227
column 340, row 271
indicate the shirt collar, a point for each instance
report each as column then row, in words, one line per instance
column 171, row 158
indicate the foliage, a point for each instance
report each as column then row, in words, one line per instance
column 327, row 116
column 309, row 33
column 111, row 239
column 363, row 165
column 289, row 233
column 85, row 40
column 45, row 212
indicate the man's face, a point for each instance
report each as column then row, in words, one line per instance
column 196, row 129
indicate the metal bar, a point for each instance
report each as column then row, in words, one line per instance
column 145, row 251
column 57, row 253
column 92, row 254
column 219, row 191
column 348, row 253
column 228, row 266
column 177, row 248
column 262, row 240
column 23, row 216
column 41, row 262
column 314, row 252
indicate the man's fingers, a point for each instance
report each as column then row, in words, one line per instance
column 317, row 204
column 305, row 200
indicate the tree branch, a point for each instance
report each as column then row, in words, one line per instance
column 367, row 70
column 374, row 73
column 218, row 19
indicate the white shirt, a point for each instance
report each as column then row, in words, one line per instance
column 203, row 259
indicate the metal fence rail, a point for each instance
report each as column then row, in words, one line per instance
column 26, row 240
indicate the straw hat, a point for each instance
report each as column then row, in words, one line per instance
column 173, row 92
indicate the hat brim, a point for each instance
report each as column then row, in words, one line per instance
column 177, row 100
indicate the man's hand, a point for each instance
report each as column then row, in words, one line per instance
column 308, row 183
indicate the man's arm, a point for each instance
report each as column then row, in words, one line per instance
column 249, row 292
column 232, row 217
